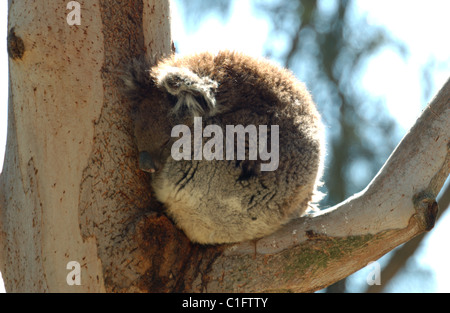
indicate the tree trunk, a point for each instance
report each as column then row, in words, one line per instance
column 70, row 186
column 71, row 191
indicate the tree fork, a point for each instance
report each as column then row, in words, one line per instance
column 317, row 250
column 71, row 189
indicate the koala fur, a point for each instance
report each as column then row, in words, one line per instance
column 224, row 201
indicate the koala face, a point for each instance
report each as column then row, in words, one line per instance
column 152, row 133
column 227, row 198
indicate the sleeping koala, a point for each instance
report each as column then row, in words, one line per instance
column 234, row 144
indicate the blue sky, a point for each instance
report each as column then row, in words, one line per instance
column 423, row 26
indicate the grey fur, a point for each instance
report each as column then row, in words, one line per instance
column 223, row 201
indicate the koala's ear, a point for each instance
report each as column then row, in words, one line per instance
column 136, row 79
column 195, row 94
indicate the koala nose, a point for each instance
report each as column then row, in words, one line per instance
column 146, row 163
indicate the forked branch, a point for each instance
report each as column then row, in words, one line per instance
column 317, row 250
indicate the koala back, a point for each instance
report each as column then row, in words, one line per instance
column 227, row 199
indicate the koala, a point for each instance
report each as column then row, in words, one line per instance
column 226, row 198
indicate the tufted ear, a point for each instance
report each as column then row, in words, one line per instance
column 136, row 79
column 194, row 93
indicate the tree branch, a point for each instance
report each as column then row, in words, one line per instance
column 317, row 250
column 402, row 255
